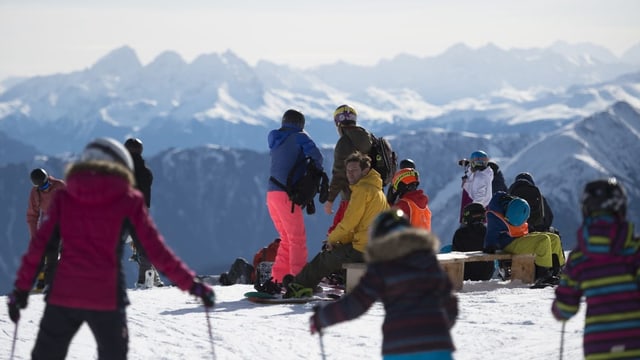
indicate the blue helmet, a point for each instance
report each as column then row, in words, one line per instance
column 517, row 212
column 479, row 159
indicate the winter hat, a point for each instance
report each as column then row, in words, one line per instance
column 293, row 117
column 107, row 149
column 526, row 177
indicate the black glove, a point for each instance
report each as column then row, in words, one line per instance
column 489, row 249
column 15, row 301
column 204, row 292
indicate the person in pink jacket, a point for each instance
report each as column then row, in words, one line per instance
column 44, row 188
column 93, row 216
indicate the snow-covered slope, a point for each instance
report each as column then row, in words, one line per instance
column 497, row 321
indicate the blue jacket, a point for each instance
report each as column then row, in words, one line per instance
column 288, row 146
column 497, row 232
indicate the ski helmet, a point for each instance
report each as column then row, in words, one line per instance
column 134, row 145
column 479, row 160
column 473, row 213
column 388, row 221
column 407, row 163
column 526, row 177
column 293, row 117
column 604, row 195
column 107, row 149
column 404, row 179
column 345, row 115
column 39, row 177
column 517, row 211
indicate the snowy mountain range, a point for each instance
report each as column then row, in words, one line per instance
column 209, row 200
column 220, row 99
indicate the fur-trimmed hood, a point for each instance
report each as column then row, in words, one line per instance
column 97, row 181
column 398, row 244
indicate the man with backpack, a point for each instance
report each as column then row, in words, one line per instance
column 352, row 138
column 355, row 138
column 289, row 147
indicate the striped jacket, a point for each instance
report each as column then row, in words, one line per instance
column 604, row 268
column 404, row 274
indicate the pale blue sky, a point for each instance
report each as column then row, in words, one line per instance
column 44, row 37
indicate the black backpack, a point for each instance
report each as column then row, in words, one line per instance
column 383, row 159
column 314, row 181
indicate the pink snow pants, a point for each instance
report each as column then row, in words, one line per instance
column 292, row 253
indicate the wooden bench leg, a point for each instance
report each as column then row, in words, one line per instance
column 523, row 268
column 455, row 270
column 353, row 278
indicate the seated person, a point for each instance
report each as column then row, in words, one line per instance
column 347, row 242
column 470, row 237
column 507, row 230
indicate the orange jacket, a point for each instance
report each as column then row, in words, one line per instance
column 416, row 205
column 39, row 203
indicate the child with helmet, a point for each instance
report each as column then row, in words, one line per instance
column 507, row 230
column 411, row 200
column 604, row 268
column 402, row 272
column 470, row 237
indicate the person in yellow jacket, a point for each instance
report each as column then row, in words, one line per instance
column 348, row 241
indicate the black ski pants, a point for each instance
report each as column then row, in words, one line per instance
column 59, row 325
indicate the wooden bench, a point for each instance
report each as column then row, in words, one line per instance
column 522, row 266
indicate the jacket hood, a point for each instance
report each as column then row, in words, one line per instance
column 98, row 181
column 398, row 244
column 277, row 137
column 607, row 235
column 372, row 178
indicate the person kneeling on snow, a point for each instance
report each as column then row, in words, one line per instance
column 94, row 215
column 507, row 230
column 402, row 272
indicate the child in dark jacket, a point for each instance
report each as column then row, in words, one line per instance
column 94, row 215
column 470, row 237
column 402, row 272
column 605, row 269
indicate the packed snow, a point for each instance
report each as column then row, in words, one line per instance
column 497, row 320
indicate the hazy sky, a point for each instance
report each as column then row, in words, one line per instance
column 47, row 36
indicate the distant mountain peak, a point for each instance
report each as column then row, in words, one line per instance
column 122, row 60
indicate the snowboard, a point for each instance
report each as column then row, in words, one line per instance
column 266, row 298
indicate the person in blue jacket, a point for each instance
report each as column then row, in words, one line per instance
column 289, row 145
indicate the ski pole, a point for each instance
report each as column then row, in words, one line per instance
column 13, row 343
column 321, row 345
column 562, row 338
column 213, row 349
